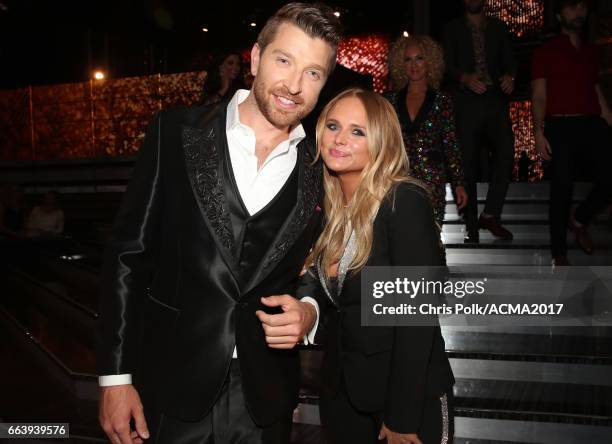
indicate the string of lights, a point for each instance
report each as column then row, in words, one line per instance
column 106, row 117
column 367, row 55
column 523, row 17
column 524, row 142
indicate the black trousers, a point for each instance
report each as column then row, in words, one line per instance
column 229, row 422
column 485, row 117
column 342, row 423
column 576, row 140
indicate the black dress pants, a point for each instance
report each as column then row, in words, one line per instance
column 576, row 140
column 229, row 422
column 342, row 423
column 485, row 117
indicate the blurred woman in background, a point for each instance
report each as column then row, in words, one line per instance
column 427, row 118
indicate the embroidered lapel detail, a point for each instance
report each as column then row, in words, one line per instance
column 202, row 159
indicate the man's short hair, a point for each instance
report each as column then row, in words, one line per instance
column 316, row 20
column 560, row 4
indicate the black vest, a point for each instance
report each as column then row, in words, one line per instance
column 253, row 234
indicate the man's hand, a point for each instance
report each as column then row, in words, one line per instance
column 473, row 83
column 398, row 438
column 118, row 404
column 461, row 197
column 507, row 83
column 542, row 146
column 285, row 330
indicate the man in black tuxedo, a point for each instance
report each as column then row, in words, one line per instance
column 220, row 213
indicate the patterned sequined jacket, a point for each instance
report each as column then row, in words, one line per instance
column 431, row 143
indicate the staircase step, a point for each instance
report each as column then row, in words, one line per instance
column 587, row 349
column 496, row 254
column 480, row 429
column 516, row 212
column 544, row 372
column 527, row 191
column 585, row 404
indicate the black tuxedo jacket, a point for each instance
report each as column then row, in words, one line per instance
column 385, row 370
column 172, row 305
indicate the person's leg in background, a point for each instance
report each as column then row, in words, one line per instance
column 498, row 129
column 560, row 137
column 598, row 148
column 468, row 117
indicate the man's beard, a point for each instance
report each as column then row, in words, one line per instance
column 573, row 25
column 277, row 117
column 475, row 8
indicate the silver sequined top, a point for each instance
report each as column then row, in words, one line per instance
column 345, row 261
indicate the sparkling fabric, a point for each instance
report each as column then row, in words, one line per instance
column 480, row 53
column 445, row 419
column 333, row 288
column 431, row 143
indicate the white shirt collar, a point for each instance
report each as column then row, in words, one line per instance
column 233, row 123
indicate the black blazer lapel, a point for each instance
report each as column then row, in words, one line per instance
column 309, row 192
column 202, row 158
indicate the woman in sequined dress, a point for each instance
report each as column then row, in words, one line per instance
column 383, row 382
column 416, row 65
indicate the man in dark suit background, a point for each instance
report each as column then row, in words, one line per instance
column 481, row 67
column 220, row 213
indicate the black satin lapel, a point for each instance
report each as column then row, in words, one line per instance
column 202, row 158
column 408, row 125
column 424, row 110
column 309, row 189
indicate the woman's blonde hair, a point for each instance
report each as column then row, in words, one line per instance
column 434, row 59
column 388, row 166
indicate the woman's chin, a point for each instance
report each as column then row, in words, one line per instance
column 335, row 167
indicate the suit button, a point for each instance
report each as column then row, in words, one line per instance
column 243, row 305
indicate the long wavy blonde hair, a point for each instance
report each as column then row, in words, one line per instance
column 388, row 166
column 432, row 53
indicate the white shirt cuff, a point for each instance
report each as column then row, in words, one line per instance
column 309, row 338
column 109, row 380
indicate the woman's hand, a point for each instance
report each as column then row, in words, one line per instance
column 398, row 438
column 461, row 197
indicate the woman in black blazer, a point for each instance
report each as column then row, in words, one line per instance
column 392, row 383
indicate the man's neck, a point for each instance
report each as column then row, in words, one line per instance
column 267, row 136
column 573, row 35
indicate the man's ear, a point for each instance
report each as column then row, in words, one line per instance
column 255, row 57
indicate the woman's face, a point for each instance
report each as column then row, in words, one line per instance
column 416, row 68
column 230, row 67
column 344, row 143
